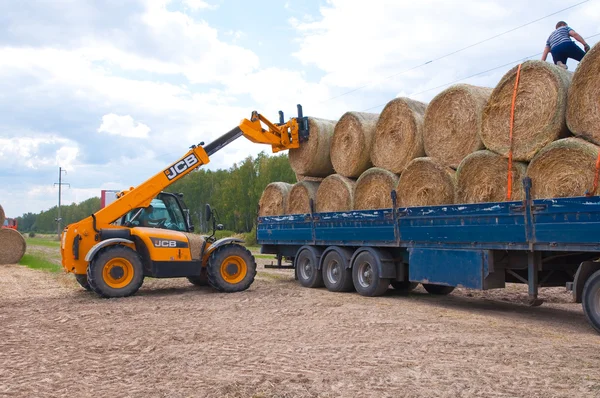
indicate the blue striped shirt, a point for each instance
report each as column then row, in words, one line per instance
column 559, row 36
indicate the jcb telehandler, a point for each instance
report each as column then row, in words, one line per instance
column 147, row 232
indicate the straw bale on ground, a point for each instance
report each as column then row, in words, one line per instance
column 12, row 246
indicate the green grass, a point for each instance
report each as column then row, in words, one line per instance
column 39, row 263
column 42, row 242
column 267, row 256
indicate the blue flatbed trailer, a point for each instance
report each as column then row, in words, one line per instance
column 541, row 243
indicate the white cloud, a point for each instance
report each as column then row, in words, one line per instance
column 35, row 152
column 124, row 126
column 199, row 5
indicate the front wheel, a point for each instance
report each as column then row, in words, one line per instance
column 83, row 282
column 231, row 268
column 591, row 300
column 116, row 272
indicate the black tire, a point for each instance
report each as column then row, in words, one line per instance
column 307, row 269
column 83, row 282
column 365, row 274
column 438, row 290
column 336, row 273
column 125, row 280
column 404, row 286
column 231, row 268
column 201, row 280
column 590, row 301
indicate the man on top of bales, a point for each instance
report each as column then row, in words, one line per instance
column 562, row 47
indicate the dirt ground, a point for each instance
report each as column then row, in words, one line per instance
column 281, row 340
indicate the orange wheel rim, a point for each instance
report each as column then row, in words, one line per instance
column 118, row 273
column 233, row 269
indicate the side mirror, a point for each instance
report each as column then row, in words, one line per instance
column 220, row 227
column 208, row 212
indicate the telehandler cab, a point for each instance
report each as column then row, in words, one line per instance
column 147, row 232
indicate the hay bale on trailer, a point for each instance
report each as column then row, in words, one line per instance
column 583, row 105
column 2, row 216
column 351, row 143
column 374, row 189
column 426, row 182
column 312, row 159
column 336, row 193
column 300, row 178
column 564, row 168
column 273, row 201
column 483, row 177
column 451, row 125
column 12, row 246
column 398, row 135
column 299, row 197
column 539, row 110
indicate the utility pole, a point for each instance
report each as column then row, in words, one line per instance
column 60, row 184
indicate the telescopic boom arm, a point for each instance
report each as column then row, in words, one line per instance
column 281, row 136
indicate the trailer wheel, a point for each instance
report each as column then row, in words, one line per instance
column 117, row 271
column 404, row 286
column 438, row 290
column 591, row 300
column 83, row 282
column 365, row 274
column 201, row 280
column 337, row 276
column 231, row 268
column 307, row 268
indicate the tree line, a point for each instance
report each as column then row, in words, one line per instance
column 234, row 193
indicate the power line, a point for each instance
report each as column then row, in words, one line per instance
column 473, row 75
column 457, row 51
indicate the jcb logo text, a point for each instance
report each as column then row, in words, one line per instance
column 181, row 166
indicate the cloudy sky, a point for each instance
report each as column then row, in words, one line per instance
column 115, row 90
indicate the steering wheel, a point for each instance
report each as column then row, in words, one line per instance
column 160, row 222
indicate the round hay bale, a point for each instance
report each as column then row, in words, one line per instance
column 583, row 106
column 273, row 201
column 451, row 125
column 12, row 246
column 298, row 201
column 2, row 216
column 336, row 193
column 564, row 168
column 398, row 135
column 483, row 177
column 539, row 110
column 374, row 188
column 426, row 182
column 300, row 178
column 351, row 143
column 312, row 158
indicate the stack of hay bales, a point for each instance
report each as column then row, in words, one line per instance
column 456, row 149
column 12, row 243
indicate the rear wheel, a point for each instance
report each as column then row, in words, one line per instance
column 231, row 268
column 83, row 282
column 201, row 280
column 591, row 300
column 366, row 276
column 438, row 290
column 116, row 272
column 306, row 268
column 404, row 286
column 337, row 276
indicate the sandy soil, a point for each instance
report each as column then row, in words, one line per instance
column 279, row 339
